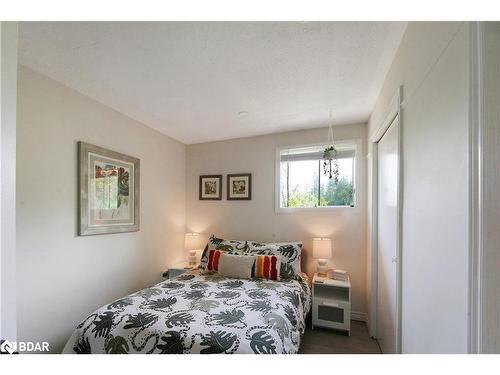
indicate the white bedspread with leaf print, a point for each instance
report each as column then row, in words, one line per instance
column 196, row 313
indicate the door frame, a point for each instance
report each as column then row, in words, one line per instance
column 483, row 331
column 476, row 147
column 8, row 113
column 393, row 117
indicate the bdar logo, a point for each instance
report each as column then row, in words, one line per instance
column 7, row 347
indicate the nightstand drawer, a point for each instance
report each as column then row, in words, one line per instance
column 332, row 314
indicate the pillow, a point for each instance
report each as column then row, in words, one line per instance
column 290, row 253
column 238, row 266
column 213, row 260
column 245, row 266
column 267, row 267
column 227, row 246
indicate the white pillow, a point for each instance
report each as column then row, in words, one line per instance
column 237, row 266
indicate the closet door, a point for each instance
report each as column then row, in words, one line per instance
column 388, row 169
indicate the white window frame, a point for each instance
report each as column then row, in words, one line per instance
column 357, row 144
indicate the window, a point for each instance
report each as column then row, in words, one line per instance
column 303, row 184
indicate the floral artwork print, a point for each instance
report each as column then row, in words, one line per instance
column 111, row 191
column 206, row 314
column 239, row 186
column 108, row 191
column 210, row 187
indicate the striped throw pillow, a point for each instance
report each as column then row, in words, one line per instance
column 213, row 260
column 267, row 267
column 290, row 253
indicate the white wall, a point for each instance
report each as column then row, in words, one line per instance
column 432, row 64
column 257, row 220
column 63, row 277
column 8, row 95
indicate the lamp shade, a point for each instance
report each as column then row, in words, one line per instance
column 192, row 241
column 322, row 248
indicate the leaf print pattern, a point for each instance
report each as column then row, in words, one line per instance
column 199, row 314
column 227, row 294
column 103, row 324
column 148, row 293
column 185, row 277
column 194, row 294
column 204, row 304
column 117, row 345
column 120, row 303
column 286, row 272
column 218, row 342
column 278, row 323
column 233, row 284
column 82, row 346
column 260, row 305
column 267, row 284
column 172, row 285
column 222, row 245
column 140, row 320
column 162, row 303
column 199, row 285
column 228, row 317
column 172, row 343
column 178, row 319
column 257, row 294
column 291, row 296
column 288, row 251
column 262, row 343
column 290, row 315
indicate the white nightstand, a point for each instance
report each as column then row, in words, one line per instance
column 177, row 269
column 331, row 303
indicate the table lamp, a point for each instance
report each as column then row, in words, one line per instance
column 322, row 250
column 192, row 243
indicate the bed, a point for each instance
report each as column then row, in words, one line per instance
column 200, row 313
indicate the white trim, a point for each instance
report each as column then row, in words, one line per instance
column 475, row 186
column 358, row 316
column 358, row 160
column 393, row 111
column 8, row 105
column 393, row 116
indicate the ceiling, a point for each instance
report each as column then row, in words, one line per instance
column 190, row 80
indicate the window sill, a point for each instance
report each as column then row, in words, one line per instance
column 285, row 210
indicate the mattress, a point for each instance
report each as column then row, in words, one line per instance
column 197, row 313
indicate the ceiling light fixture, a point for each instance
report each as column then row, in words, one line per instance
column 243, row 113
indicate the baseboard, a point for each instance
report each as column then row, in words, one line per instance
column 358, row 316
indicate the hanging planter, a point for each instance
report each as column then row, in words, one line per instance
column 330, row 161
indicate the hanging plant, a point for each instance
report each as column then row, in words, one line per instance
column 330, row 161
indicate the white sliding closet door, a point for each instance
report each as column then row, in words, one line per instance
column 388, row 169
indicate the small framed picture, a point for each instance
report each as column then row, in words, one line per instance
column 239, row 186
column 211, row 187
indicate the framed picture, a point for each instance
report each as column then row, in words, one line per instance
column 239, row 186
column 108, row 191
column 211, row 187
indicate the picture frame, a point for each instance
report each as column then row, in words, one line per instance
column 239, row 186
column 108, row 191
column 210, row 187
